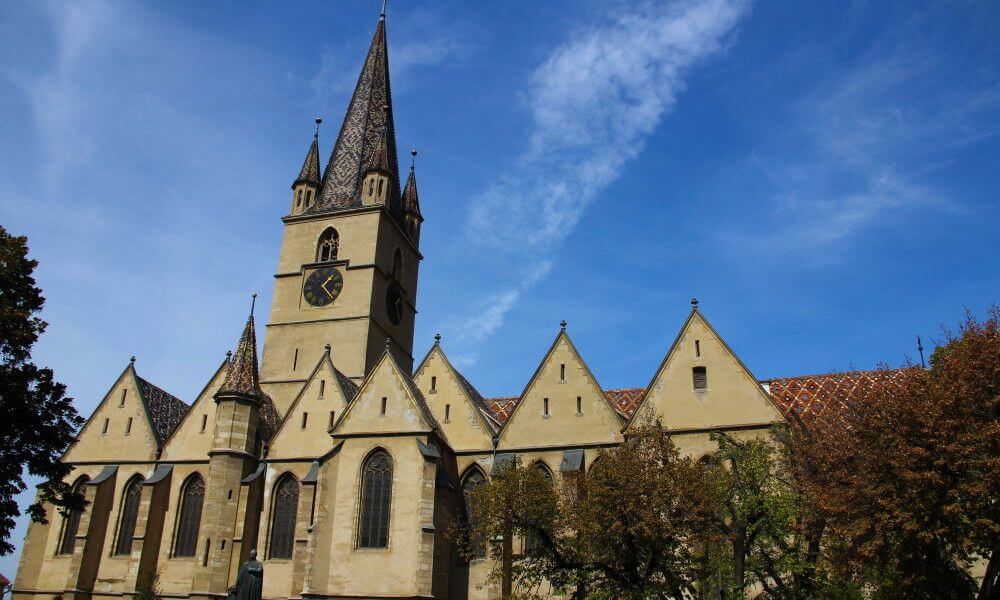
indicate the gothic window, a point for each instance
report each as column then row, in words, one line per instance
column 397, row 265
column 71, row 524
column 129, row 514
column 189, row 518
column 376, row 493
column 700, row 377
column 309, row 198
column 329, row 244
column 298, row 200
column 371, row 186
column 531, row 541
column 286, row 504
column 472, row 481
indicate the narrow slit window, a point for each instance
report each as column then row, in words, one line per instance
column 104, row 429
column 295, row 359
column 124, row 395
column 545, row 407
column 305, row 419
column 700, row 377
column 434, row 383
column 128, row 426
column 697, row 348
column 204, row 422
column 208, row 546
column 380, row 182
column 322, row 387
column 447, row 412
column 333, row 418
column 562, row 372
column 579, row 405
column 371, row 187
column 384, row 399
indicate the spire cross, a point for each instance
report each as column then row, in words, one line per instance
column 413, row 158
column 319, row 121
column 384, row 2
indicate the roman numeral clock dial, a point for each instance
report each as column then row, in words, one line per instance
column 323, row 286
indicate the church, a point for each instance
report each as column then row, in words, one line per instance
column 340, row 457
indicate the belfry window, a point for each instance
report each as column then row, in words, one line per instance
column 298, row 199
column 376, row 494
column 329, row 245
column 700, row 377
column 286, row 504
column 371, row 186
column 72, row 523
column 129, row 513
column 189, row 521
column 309, row 198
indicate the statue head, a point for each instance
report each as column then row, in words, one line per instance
column 253, row 554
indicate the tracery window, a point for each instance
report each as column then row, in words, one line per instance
column 71, row 524
column 472, row 481
column 376, row 494
column 329, row 244
column 285, row 507
column 189, row 519
column 131, row 496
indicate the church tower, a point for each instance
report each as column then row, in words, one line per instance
column 347, row 273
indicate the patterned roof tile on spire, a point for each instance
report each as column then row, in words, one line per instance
column 310, row 166
column 243, row 376
column 360, row 135
column 411, row 202
column 165, row 411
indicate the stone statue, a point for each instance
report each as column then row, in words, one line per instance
column 249, row 581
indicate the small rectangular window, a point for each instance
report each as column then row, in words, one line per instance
column 105, row 428
column 697, row 348
column 208, row 544
column 562, row 372
column 128, row 426
column 579, row 405
column 384, row 399
column 434, row 383
column 295, row 359
column 333, row 418
column 204, row 422
column 124, row 394
column 322, row 387
column 700, row 376
column 545, row 407
column 305, row 419
column 447, row 412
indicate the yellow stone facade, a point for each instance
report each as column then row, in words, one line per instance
column 283, row 453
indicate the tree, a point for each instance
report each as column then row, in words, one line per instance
column 907, row 482
column 634, row 527
column 39, row 419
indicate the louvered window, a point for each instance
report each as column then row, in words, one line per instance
column 286, row 504
column 72, row 523
column 376, row 493
column 700, row 375
column 129, row 513
column 472, row 481
column 192, row 498
column 329, row 245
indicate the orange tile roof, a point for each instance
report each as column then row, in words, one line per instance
column 625, row 400
column 502, row 407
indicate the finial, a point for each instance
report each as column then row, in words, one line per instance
column 920, row 349
column 413, row 158
column 562, row 324
column 326, row 349
column 437, row 339
column 694, row 303
column 382, row 16
column 253, row 302
column 132, row 360
column 319, row 121
column 388, row 343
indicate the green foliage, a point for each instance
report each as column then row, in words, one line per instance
column 39, row 419
column 148, row 588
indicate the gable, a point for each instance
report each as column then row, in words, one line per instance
column 193, row 438
column 405, row 408
column 119, row 426
column 321, row 401
column 566, row 383
column 453, row 402
column 732, row 396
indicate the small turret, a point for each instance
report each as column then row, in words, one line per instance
column 411, row 203
column 306, row 188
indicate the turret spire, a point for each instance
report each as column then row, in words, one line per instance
column 243, row 377
column 411, row 203
column 310, row 166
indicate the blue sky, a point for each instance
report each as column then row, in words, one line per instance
column 822, row 176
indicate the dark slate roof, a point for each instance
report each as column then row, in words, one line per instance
column 348, row 387
column 366, row 125
column 268, row 419
column 310, row 166
column 480, row 403
column 411, row 202
column 243, row 376
column 165, row 410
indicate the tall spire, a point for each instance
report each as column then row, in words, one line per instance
column 310, row 167
column 411, row 204
column 243, row 377
column 365, row 126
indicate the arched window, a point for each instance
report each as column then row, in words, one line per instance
column 530, row 541
column 376, row 493
column 472, row 481
column 131, row 496
column 284, row 508
column 397, row 265
column 71, row 525
column 189, row 517
column 298, row 199
column 329, row 244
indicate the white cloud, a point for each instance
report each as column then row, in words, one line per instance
column 593, row 103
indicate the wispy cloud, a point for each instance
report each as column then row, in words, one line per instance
column 593, row 102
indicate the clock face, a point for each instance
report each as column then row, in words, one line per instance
column 394, row 303
column 323, row 286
